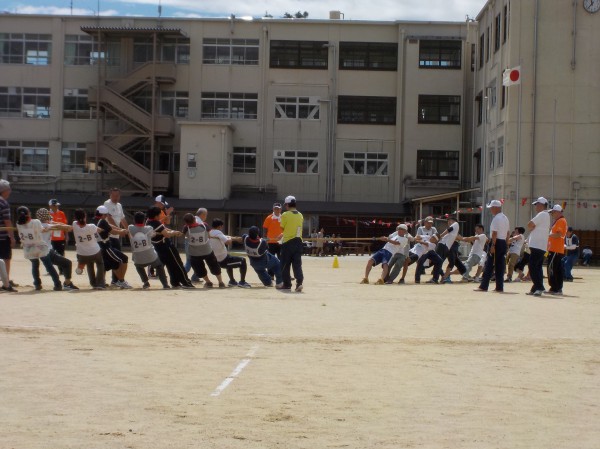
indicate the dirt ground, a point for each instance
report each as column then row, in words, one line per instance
column 340, row 365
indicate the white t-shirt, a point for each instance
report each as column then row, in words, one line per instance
column 538, row 238
column 115, row 210
column 449, row 238
column 478, row 245
column 217, row 243
column 501, row 225
column 395, row 248
column 86, row 239
column 422, row 230
column 31, row 232
column 517, row 245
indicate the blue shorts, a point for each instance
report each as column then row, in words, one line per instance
column 382, row 256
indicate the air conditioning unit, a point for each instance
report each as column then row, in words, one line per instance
column 279, row 153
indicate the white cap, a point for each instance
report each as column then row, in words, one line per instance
column 160, row 199
column 53, row 202
column 102, row 210
column 494, row 203
column 556, row 208
column 429, row 219
column 541, row 200
column 290, row 199
column 402, row 226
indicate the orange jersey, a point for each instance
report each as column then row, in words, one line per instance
column 273, row 226
column 557, row 244
column 58, row 217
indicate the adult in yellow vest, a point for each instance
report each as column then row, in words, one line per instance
column 292, row 222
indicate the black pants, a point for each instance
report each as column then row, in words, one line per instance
column 435, row 260
column 536, row 269
column 454, row 259
column 555, row 272
column 495, row 264
column 170, row 258
column 291, row 258
column 160, row 271
column 59, row 247
column 116, row 244
column 231, row 262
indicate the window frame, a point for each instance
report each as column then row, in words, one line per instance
column 20, row 44
column 247, row 157
column 366, row 110
column 442, row 44
column 282, row 157
column 301, row 55
column 21, row 152
column 303, row 108
column 229, row 100
column 430, row 155
column 427, row 102
column 230, row 45
column 355, row 159
column 375, row 56
column 70, row 150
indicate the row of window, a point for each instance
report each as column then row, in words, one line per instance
column 494, row 37
column 36, row 49
column 35, row 103
column 33, row 157
column 431, row 164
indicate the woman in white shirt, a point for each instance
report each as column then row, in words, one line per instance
column 88, row 250
column 35, row 247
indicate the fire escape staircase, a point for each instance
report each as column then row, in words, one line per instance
column 115, row 98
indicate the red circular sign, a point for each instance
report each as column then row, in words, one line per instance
column 514, row 75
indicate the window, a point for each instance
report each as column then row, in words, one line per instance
column 477, row 165
column 504, row 97
column 473, row 57
column 441, row 109
column 174, row 103
column 479, row 100
column 481, row 50
column 75, row 104
column 24, row 156
column 505, row 29
column 230, row 51
column 491, row 155
column 500, row 151
column 74, row 157
column 18, row 48
column 82, row 49
column 175, row 50
column 143, row 99
column 370, row 164
column 432, row 164
column 497, row 33
column 229, row 105
column 440, row 54
column 165, row 160
column 299, row 55
column 367, row 110
column 368, row 56
column 297, row 108
column 492, row 93
column 244, row 160
column 304, row 162
column 487, row 44
column 31, row 102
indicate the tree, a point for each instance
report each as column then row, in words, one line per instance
column 297, row 15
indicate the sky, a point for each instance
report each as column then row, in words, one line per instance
column 426, row 10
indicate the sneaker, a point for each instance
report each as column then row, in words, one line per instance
column 187, row 286
column 466, row 279
column 222, row 285
column 122, row 284
column 13, row 284
column 9, row 289
column 232, row 284
column 38, row 287
column 447, row 280
column 508, row 280
column 298, row 288
column 518, row 280
column 78, row 270
column 146, row 285
column 431, row 281
column 57, row 288
column 166, row 287
column 243, row 284
column 285, row 287
column 401, row 281
column 209, row 285
column 70, row 286
column 568, row 279
column 380, row 282
column 279, row 286
column 557, row 293
column 535, row 293
column 389, row 282
column 364, row 281
column 195, row 278
column 476, row 279
column 100, row 287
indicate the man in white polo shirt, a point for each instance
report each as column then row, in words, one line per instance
column 496, row 261
column 539, row 228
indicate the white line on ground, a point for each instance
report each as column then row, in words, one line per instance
column 236, row 372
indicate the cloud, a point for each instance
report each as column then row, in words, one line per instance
column 56, row 11
column 388, row 10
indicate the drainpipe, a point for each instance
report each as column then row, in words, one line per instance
column 534, row 96
column 152, row 123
